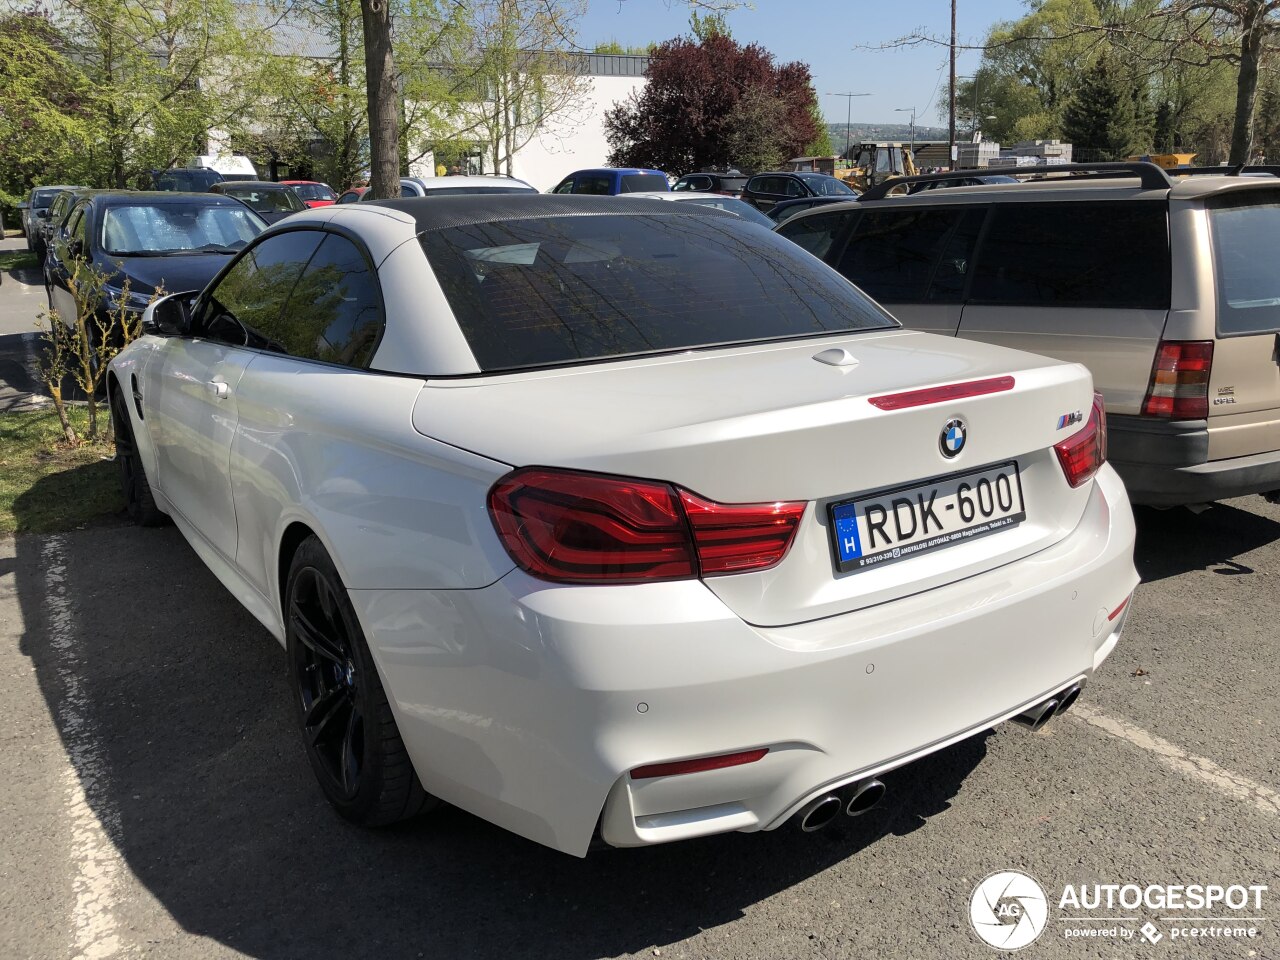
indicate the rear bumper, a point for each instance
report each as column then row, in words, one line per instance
column 1165, row 463
column 528, row 703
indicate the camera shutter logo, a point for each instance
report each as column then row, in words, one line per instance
column 1008, row 910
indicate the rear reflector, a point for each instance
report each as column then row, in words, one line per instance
column 952, row 391
column 573, row 527
column 697, row 766
column 1083, row 453
column 1118, row 610
column 1179, row 388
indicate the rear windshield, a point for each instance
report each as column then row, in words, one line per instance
column 459, row 191
column 313, row 191
column 643, row 182
column 555, row 290
column 1245, row 233
column 279, row 200
column 186, row 181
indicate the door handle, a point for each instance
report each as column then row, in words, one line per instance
column 219, row 389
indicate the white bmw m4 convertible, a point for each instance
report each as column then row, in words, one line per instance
column 620, row 523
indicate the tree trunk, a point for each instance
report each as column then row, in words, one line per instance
column 384, row 94
column 1252, row 34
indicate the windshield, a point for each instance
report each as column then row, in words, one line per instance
column 643, row 182
column 267, row 199
column 828, row 186
column 739, row 208
column 313, row 191
column 1245, row 232
column 154, row 230
column 556, row 290
column 43, row 199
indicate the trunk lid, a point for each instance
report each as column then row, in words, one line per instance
column 1244, row 381
column 770, row 422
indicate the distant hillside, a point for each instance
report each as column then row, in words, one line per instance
column 884, row 131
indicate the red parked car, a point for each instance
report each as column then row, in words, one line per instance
column 312, row 192
column 352, row 194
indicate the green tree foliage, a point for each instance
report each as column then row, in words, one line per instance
column 1106, row 117
column 513, row 75
column 45, row 117
column 714, row 103
column 819, row 146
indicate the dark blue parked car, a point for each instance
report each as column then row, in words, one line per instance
column 177, row 241
column 611, row 181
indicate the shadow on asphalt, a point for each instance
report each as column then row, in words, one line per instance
column 210, row 800
column 1176, row 541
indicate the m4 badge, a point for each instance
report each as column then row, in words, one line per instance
column 1070, row 419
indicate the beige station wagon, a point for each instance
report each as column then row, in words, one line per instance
column 1167, row 290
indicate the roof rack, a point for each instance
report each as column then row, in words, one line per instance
column 1151, row 176
column 1225, row 171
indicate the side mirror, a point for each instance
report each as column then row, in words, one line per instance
column 170, row 316
column 75, row 248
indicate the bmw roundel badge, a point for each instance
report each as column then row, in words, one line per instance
column 953, row 437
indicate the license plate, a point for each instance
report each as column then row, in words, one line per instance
column 896, row 524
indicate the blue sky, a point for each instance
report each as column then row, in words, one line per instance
column 824, row 34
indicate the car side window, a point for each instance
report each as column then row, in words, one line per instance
column 600, row 186
column 348, row 198
column 757, row 185
column 566, row 186
column 79, row 229
column 1113, row 254
column 816, row 233
column 245, row 305
column 793, row 188
column 893, row 254
column 409, row 190
column 334, row 313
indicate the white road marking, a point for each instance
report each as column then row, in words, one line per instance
column 92, row 814
column 1200, row 769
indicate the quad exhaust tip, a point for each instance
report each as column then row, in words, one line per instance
column 853, row 800
column 820, row 812
column 1037, row 715
column 866, row 796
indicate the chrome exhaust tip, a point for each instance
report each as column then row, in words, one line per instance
column 1068, row 698
column 866, row 796
column 818, row 813
column 1036, row 716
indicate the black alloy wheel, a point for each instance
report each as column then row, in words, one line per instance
column 348, row 729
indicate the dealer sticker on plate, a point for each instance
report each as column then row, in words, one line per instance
column 906, row 522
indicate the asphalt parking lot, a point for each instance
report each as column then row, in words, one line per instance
column 158, row 802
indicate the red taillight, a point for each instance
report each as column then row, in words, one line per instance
column 732, row 537
column 697, row 766
column 573, row 527
column 1179, row 387
column 952, row 391
column 1083, row 453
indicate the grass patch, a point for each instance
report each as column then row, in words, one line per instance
column 47, row 486
column 18, row 260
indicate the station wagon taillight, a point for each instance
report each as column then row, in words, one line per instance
column 1083, row 453
column 570, row 526
column 1179, row 388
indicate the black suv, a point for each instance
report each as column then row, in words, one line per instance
column 765, row 189
column 730, row 184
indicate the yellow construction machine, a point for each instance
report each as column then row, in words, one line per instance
column 872, row 162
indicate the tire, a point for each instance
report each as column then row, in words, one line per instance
column 138, row 500
column 348, row 731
